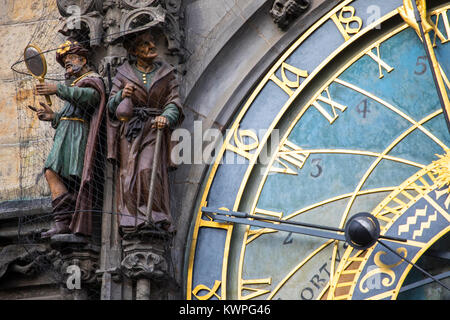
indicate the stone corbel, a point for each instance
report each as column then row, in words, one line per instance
column 87, row 265
column 145, row 264
column 77, row 251
column 144, row 255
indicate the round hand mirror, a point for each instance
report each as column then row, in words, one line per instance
column 35, row 61
column 36, row 64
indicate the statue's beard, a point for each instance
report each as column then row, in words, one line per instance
column 74, row 72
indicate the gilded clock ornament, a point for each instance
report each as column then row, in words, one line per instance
column 442, row 170
column 422, row 220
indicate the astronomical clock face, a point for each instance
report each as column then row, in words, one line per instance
column 347, row 120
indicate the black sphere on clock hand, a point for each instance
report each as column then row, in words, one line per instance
column 362, row 231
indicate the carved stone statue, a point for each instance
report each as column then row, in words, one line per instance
column 284, row 12
column 71, row 163
column 144, row 97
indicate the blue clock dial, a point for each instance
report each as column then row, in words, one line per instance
column 353, row 128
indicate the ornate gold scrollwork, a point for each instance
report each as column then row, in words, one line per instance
column 211, row 292
column 382, row 269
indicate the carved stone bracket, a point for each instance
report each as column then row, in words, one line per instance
column 284, row 12
column 77, row 251
column 144, row 264
column 144, row 256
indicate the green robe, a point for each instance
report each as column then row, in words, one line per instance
column 67, row 154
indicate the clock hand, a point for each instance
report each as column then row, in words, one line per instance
column 244, row 218
column 414, row 265
column 424, row 282
column 299, row 227
column 432, row 60
column 361, row 231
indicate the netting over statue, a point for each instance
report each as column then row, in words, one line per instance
column 93, row 98
column 35, row 137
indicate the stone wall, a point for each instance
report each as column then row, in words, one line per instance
column 19, row 21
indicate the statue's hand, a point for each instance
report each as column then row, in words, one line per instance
column 46, row 89
column 160, row 122
column 128, row 91
column 45, row 114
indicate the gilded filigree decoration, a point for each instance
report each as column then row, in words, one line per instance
column 442, row 170
column 384, row 269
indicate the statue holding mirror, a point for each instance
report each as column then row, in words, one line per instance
column 72, row 162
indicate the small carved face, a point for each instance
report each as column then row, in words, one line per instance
column 145, row 48
column 278, row 8
column 74, row 63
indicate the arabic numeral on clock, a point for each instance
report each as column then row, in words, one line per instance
column 362, row 108
column 318, row 172
column 421, row 65
column 288, row 239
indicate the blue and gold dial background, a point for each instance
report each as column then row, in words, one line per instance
column 353, row 135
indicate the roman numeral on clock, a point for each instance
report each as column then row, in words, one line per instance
column 331, row 117
column 377, row 58
column 252, row 234
column 256, row 292
column 441, row 21
column 289, row 159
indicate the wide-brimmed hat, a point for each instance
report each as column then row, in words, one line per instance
column 127, row 38
column 70, row 47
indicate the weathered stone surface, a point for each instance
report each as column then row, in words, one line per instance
column 9, row 171
column 17, row 122
column 14, row 11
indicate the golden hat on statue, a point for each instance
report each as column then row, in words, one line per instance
column 70, row 47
